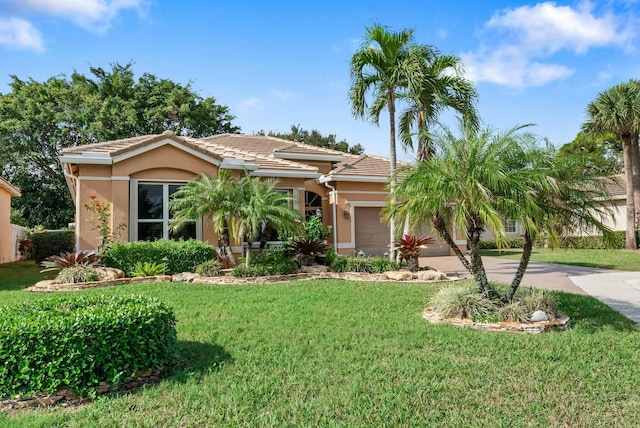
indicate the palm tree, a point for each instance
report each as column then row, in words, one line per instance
column 261, row 206
column 617, row 110
column 443, row 86
column 474, row 182
column 387, row 63
column 216, row 197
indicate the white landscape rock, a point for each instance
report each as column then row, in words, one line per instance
column 538, row 316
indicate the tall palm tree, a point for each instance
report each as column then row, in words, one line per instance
column 261, row 206
column 475, row 181
column 443, row 86
column 386, row 63
column 617, row 110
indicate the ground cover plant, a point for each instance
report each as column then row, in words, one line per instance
column 359, row 354
column 602, row 259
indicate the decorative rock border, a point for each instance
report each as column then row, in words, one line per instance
column 562, row 322
column 400, row 276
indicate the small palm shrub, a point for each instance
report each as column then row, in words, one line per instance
column 462, row 301
column 148, row 269
column 306, row 250
column 409, row 248
column 68, row 259
column 77, row 273
column 209, row 268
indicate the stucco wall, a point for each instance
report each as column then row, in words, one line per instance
column 5, row 226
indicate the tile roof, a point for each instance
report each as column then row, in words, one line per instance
column 269, row 153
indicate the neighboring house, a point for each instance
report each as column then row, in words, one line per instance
column 7, row 249
column 137, row 176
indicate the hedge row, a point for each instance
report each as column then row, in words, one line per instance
column 51, row 242
column 50, row 344
column 181, row 256
column 573, row 242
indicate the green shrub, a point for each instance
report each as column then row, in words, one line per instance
column 77, row 273
column 314, row 230
column 148, row 269
column 49, row 344
column 51, row 242
column 490, row 244
column 363, row 264
column 242, row 271
column 330, row 256
column 208, row 268
column 462, row 301
column 182, row 256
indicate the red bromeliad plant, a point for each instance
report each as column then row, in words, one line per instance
column 410, row 247
column 65, row 260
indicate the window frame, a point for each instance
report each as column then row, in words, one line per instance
column 508, row 222
column 134, row 221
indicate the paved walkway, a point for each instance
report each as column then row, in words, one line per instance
column 620, row 290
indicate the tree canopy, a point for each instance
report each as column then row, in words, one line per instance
column 39, row 119
column 316, row 138
column 603, row 152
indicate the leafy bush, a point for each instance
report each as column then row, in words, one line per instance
column 314, row 230
column 182, row 256
column 208, row 268
column 65, row 260
column 462, row 301
column 77, row 273
column 363, row 264
column 148, row 269
column 490, row 244
column 49, row 344
column 242, row 271
column 330, row 256
column 44, row 244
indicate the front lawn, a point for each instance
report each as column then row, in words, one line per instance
column 328, row 352
column 602, row 259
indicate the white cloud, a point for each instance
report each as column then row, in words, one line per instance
column 93, row 15
column 252, row 103
column 535, row 34
column 283, row 95
column 18, row 34
column 548, row 28
column 443, row 33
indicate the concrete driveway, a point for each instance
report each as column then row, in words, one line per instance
column 617, row 289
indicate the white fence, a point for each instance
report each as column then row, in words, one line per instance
column 18, row 233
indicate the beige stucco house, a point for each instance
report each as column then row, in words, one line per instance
column 137, row 176
column 7, row 249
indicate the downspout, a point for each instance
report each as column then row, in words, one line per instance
column 75, row 192
column 334, row 192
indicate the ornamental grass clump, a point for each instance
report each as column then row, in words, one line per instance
column 77, row 273
column 462, row 301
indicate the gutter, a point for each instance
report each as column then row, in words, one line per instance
column 334, row 192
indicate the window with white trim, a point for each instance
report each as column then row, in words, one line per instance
column 510, row 226
column 151, row 215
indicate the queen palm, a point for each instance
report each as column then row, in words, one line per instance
column 443, row 86
column 617, row 110
column 387, row 63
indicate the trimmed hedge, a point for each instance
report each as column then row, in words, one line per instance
column 182, row 256
column 51, row 242
column 363, row 264
column 570, row 242
column 51, row 344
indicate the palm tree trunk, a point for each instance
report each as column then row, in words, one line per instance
column 440, row 227
column 522, row 267
column 392, row 169
column 635, row 169
column 477, row 267
column 630, row 237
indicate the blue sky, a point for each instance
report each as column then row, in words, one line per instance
column 278, row 63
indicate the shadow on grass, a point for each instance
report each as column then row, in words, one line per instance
column 591, row 315
column 196, row 359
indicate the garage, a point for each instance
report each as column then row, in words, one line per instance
column 372, row 235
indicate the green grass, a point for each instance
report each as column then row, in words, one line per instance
column 18, row 275
column 340, row 353
column 603, row 259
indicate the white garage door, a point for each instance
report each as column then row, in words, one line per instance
column 372, row 233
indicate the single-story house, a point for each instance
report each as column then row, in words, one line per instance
column 7, row 248
column 137, row 175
